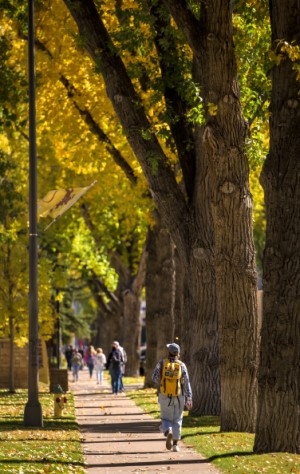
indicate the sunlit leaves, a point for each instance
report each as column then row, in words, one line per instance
column 252, row 42
column 70, row 154
column 13, row 90
column 285, row 50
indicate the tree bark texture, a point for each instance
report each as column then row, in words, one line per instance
column 160, row 294
column 199, row 345
column 221, row 150
column 179, row 310
column 278, row 421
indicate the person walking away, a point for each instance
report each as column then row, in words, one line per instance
column 171, row 375
column 114, row 365
column 81, row 351
column 90, row 360
column 68, row 356
column 76, row 364
column 100, row 363
column 124, row 356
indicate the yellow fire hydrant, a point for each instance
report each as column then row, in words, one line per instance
column 59, row 400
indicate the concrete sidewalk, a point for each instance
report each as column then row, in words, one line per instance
column 118, row 437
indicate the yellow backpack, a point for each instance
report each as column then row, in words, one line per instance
column 170, row 381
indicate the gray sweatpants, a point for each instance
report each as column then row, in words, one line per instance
column 171, row 414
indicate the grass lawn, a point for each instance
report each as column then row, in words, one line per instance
column 229, row 452
column 55, row 448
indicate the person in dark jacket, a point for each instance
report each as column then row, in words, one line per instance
column 68, row 356
column 114, row 365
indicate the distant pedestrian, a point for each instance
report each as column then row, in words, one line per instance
column 124, row 356
column 81, row 351
column 174, row 393
column 68, row 356
column 89, row 359
column 100, row 364
column 114, row 365
column 76, row 364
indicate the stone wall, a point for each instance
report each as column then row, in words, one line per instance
column 59, row 377
column 21, row 364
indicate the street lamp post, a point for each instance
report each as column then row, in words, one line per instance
column 33, row 411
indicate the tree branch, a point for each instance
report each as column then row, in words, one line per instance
column 186, row 21
column 177, row 107
column 163, row 186
column 139, row 279
column 87, row 117
column 115, row 259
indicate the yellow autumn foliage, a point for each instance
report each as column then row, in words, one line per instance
column 68, row 152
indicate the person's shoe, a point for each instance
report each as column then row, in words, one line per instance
column 169, row 439
column 175, row 448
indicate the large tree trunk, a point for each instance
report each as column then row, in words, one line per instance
column 108, row 328
column 220, row 150
column 131, row 326
column 179, row 310
column 278, row 421
column 200, row 352
column 200, row 349
column 177, row 214
column 188, row 219
column 131, row 332
column 160, row 286
column 223, row 146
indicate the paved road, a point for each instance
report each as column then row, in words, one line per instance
column 118, row 437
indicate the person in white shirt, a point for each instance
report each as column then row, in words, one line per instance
column 100, row 364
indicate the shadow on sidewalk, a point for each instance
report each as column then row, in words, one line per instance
column 118, row 437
